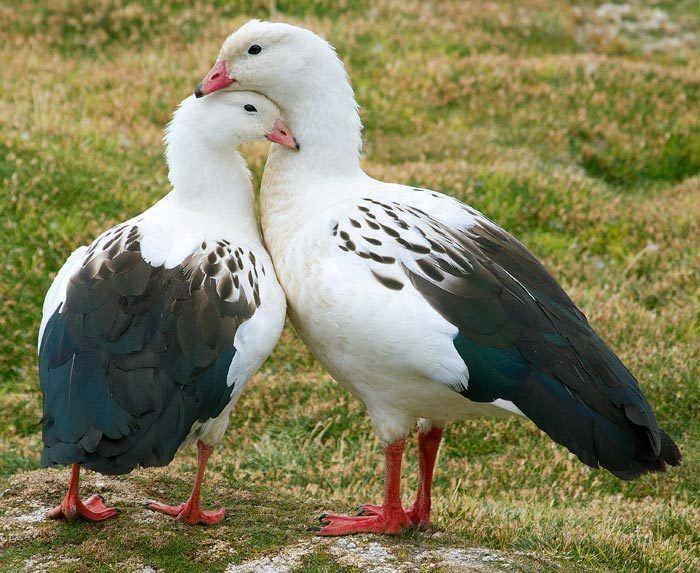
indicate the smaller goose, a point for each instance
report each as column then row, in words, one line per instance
column 149, row 335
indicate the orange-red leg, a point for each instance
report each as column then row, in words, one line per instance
column 190, row 512
column 428, row 445
column 419, row 513
column 72, row 507
column 389, row 517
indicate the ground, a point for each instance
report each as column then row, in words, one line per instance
column 576, row 127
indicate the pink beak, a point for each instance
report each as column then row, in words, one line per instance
column 216, row 79
column 282, row 134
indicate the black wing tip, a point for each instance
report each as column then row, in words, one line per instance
column 670, row 452
column 670, row 455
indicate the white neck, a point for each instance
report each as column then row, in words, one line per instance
column 208, row 180
column 322, row 113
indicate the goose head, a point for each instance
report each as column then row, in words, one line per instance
column 279, row 60
column 228, row 119
column 301, row 73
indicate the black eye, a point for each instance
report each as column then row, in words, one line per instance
column 254, row 49
column 249, row 107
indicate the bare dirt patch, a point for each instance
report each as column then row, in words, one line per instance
column 373, row 554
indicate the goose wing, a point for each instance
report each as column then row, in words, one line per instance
column 521, row 337
column 131, row 355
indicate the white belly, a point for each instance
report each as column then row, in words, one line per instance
column 387, row 347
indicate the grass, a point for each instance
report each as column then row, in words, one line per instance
column 584, row 145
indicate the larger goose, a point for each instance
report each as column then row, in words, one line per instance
column 150, row 334
column 416, row 303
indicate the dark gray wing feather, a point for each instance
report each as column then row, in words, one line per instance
column 136, row 354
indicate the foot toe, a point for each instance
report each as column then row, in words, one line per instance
column 55, row 513
column 384, row 522
column 199, row 517
column 99, row 515
column 171, row 510
column 212, row 517
column 65, row 510
column 189, row 513
column 346, row 525
column 95, row 503
column 420, row 519
column 369, row 509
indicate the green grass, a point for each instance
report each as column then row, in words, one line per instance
column 586, row 147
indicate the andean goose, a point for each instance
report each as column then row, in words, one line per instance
column 415, row 302
column 150, row 334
